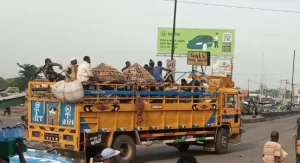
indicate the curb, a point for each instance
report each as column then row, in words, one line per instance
column 271, row 116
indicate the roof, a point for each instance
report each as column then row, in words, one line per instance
column 267, row 100
column 245, row 93
column 12, row 96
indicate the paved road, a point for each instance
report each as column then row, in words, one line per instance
column 250, row 151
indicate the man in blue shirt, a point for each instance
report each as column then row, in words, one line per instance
column 157, row 72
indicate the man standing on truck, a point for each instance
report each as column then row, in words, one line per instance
column 49, row 72
column 157, row 72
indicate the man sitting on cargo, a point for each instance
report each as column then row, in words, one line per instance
column 71, row 72
column 184, row 83
column 151, row 66
column 127, row 64
column 84, row 73
column 157, row 72
column 49, row 72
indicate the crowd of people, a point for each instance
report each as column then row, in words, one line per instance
column 83, row 73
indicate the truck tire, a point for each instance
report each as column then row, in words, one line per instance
column 126, row 145
column 182, row 147
column 221, row 144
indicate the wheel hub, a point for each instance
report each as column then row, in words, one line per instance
column 224, row 141
column 125, row 151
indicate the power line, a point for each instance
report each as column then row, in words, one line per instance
column 239, row 7
column 236, row 73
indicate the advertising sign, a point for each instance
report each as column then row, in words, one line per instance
column 221, row 67
column 171, row 64
column 37, row 112
column 198, row 58
column 219, row 42
column 67, row 115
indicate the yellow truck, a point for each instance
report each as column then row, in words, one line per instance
column 297, row 141
column 123, row 116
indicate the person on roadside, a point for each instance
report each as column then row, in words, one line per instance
column 8, row 111
column 187, row 159
column 109, row 155
column 157, row 72
column 49, row 72
column 71, row 71
column 127, row 64
column 272, row 149
column 84, row 73
column 19, row 149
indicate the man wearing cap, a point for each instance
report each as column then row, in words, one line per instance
column 109, row 155
column 71, row 72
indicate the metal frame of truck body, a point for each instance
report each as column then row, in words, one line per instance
column 169, row 121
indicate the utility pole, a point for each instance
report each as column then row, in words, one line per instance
column 174, row 30
column 292, row 96
column 286, row 82
column 280, row 94
column 262, row 75
column 248, row 88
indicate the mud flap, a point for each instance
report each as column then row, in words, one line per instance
column 235, row 139
column 209, row 146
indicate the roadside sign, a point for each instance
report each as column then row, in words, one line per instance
column 198, row 58
column 171, row 64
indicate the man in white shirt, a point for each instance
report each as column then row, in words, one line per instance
column 216, row 40
column 84, row 73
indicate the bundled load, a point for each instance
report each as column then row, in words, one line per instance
column 71, row 92
column 108, row 74
column 137, row 74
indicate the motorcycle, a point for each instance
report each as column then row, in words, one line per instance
column 254, row 110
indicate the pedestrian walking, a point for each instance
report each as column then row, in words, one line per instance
column 272, row 152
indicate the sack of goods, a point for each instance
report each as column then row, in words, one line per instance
column 68, row 91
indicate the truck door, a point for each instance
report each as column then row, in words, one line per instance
column 232, row 112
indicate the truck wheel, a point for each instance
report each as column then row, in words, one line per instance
column 126, row 145
column 221, row 144
column 182, row 147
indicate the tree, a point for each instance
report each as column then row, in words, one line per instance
column 25, row 74
column 3, row 84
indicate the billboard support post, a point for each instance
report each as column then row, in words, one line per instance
column 174, row 30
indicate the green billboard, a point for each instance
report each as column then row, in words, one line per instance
column 219, row 42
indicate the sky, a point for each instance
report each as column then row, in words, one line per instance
column 114, row 31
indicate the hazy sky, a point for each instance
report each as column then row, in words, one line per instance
column 113, row 31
